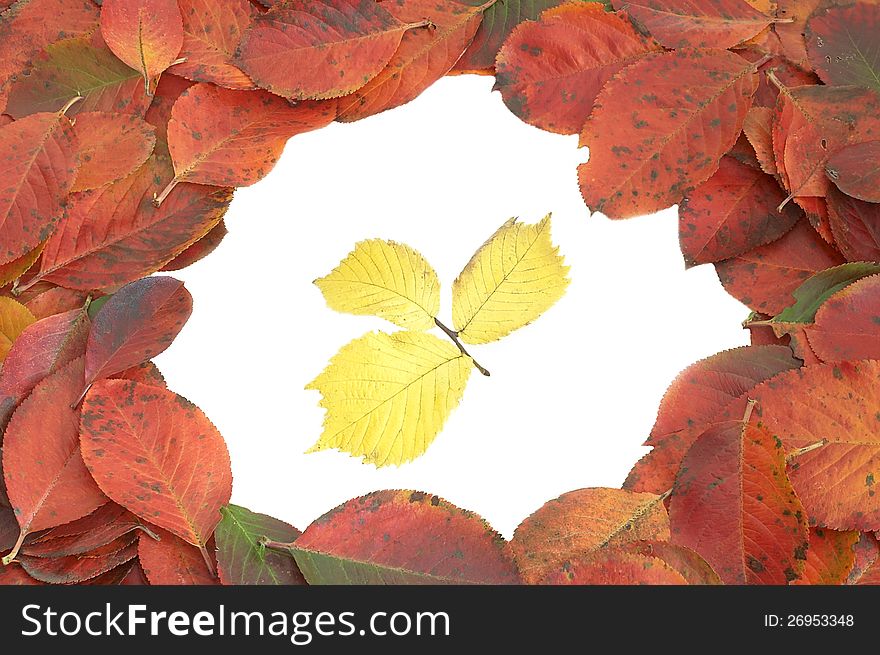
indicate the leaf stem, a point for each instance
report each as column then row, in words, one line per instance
column 452, row 334
column 12, row 554
column 275, row 545
column 160, row 198
column 70, row 103
column 797, row 452
column 205, row 556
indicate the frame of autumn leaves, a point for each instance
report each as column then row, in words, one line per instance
column 126, row 126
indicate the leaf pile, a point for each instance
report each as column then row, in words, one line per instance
column 126, row 125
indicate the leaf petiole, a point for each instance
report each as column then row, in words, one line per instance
column 452, row 334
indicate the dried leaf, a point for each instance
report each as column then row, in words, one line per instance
column 111, row 147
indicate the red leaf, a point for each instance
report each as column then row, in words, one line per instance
column 212, row 30
column 146, row 373
column 199, row 250
column 842, row 44
column 549, row 72
column 115, row 235
column 55, row 301
column 28, row 27
column 145, row 34
column 830, row 557
column 847, row 325
column 866, row 553
column 46, row 480
column 137, row 323
column 693, row 568
column 702, row 395
column 733, row 504
column 72, row 570
column 111, row 147
column 855, row 225
column 660, row 127
column 616, row 567
column 758, row 128
column 403, row 537
column 690, row 24
column 318, row 49
column 424, row 55
column 836, row 403
column 765, row 278
column 44, row 347
column 171, row 561
column 734, row 211
column 39, row 157
column 83, row 67
column 117, row 524
column 13, row 575
column 234, row 138
column 855, row 170
column 156, row 454
column 581, row 522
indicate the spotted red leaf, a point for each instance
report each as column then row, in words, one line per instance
column 137, row 323
column 156, row 454
column 170, row 560
column 37, row 165
column 46, row 479
column 660, row 127
column 855, row 225
column 233, row 138
column 424, row 55
column 402, row 537
column 549, row 72
column 696, row 24
column 317, row 49
column 830, row 557
column 78, row 569
column 836, row 403
column 765, row 278
column 199, row 250
column 733, row 212
column 703, row 394
column 855, row 169
column 44, row 347
column 733, row 504
column 758, row 128
column 212, row 30
column 110, row 147
column 616, row 567
column 84, row 67
column 842, row 44
column 847, row 325
column 581, row 522
column 115, row 234
column 145, row 34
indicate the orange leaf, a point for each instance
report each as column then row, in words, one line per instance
column 847, row 325
column 212, row 30
column 145, row 34
column 111, row 147
column 46, row 480
column 836, row 403
column 830, row 557
column 581, row 522
column 616, row 567
column 175, row 463
column 318, row 49
column 424, row 55
column 234, row 138
column 733, row 504
column 549, row 72
column 689, row 24
column 765, row 278
column 171, row 561
column 38, row 160
column 660, row 127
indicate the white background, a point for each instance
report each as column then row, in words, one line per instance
column 571, row 397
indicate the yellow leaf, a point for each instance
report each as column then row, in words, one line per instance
column 13, row 270
column 14, row 318
column 388, row 395
column 387, row 279
column 509, row 282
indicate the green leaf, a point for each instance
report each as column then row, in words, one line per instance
column 242, row 559
column 819, row 288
